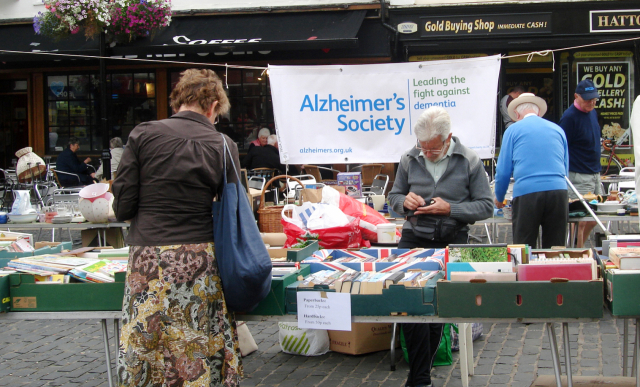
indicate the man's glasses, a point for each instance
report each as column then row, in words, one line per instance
column 432, row 151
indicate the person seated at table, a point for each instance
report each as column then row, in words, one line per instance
column 116, row 149
column 69, row 162
column 263, row 134
column 267, row 156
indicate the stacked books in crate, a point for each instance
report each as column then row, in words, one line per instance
column 20, row 245
column 60, row 269
column 369, row 282
column 621, row 272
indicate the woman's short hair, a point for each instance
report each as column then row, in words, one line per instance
column 199, row 87
column 272, row 139
column 115, row 142
column 264, row 132
column 433, row 122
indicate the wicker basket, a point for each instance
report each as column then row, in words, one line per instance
column 269, row 217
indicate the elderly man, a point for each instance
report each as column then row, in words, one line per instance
column 68, row 161
column 581, row 127
column 440, row 185
column 534, row 151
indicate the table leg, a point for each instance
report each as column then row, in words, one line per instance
column 635, row 352
column 392, row 353
column 464, row 359
column 553, row 346
column 567, row 353
column 469, row 333
column 488, row 233
column 105, row 335
column 99, row 238
column 625, row 346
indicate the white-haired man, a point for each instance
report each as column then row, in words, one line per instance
column 441, row 187
column 534, row 151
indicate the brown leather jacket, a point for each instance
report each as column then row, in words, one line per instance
column 169, row 174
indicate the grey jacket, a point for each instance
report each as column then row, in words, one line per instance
column 464, row 185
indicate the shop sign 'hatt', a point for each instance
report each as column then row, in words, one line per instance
column 615, row 21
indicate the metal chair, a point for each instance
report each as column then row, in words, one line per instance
column 56, row 172
column 627, row 185
column 293, row 187
column 257, row 182
column 378, row 185
column 267, row 173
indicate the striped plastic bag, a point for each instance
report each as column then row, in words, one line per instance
column 306, row 342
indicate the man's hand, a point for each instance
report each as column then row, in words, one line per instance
column 497, row 203
column 93, row 175
column 87, row 160
column 438, row 206
column 413, row 201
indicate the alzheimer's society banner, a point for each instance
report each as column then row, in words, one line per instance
column 366, row 113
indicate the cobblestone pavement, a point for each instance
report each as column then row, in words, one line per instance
column 70, row 353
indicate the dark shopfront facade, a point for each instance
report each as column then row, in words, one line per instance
column 46, row 99
column 447, row 33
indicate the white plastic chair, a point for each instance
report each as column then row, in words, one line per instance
column 627, row 185
column 294, row 186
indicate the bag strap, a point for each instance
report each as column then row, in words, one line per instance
column 226, row 148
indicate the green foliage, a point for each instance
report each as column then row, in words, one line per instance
column 306, row 240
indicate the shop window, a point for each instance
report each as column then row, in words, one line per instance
column 251, row 106
column 73, row 108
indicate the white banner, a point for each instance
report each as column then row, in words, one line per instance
column 365, row 113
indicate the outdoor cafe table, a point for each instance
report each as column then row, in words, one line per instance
column 101, row 227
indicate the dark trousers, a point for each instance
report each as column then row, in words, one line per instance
column 422, row 340
column 548, row 209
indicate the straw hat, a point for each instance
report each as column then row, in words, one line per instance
column 524, row 98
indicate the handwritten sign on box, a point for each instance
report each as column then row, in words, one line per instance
column 324, row 310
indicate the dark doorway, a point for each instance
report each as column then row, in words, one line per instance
column 14, row 127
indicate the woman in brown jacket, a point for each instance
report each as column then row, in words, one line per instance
column 176, row 329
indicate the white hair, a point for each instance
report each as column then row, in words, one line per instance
column 272, row 139
column 264, row 132
column 523, row 107
column 433, row 122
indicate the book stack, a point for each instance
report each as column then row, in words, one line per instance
column 19, row 245
column 369, row 282
column 572, row 265
column 625, row 258
column 54, row 268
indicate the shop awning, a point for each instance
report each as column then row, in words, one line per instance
column 259, row 32
column 22, row 37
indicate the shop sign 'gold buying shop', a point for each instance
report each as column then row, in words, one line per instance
column 537, row 23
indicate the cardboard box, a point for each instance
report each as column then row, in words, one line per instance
column 352, row 182
column 520, row 299
column 10, row 234
column 487, row 276
column 397, row 299
column 5, row 298
column 114, row 237
column 493, row 267
column 433, row 262
column 274, row 238
column 363, row 338
column 293, row 255
column 56, row 247
column 545, row 272
column 28, row 296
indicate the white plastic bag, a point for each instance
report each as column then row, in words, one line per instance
column 306, row 342
column 315, row 216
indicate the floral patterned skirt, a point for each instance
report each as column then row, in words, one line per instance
column 176, row 330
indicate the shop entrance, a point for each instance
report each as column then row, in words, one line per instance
column 14, row 126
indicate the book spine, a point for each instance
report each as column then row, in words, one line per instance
column 28, row 266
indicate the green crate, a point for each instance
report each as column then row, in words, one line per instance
column 273, row 304
column 297, row 255
column 525, row 299
column 622, row 294
column 27, row 296
column 398, row 299
column 5, row 299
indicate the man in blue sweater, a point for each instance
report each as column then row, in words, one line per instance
column 534, row 151
column 581, row 127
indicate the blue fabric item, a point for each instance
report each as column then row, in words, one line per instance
column 535, row 152
column 583, row 136
column 243, row 260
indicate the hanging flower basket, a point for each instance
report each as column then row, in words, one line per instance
column 65, row 17
column 132, row 19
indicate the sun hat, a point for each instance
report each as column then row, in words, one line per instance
column 527, row 98
column 587, row 90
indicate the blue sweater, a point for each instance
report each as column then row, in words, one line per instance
column 583, row 135
column 535, row 152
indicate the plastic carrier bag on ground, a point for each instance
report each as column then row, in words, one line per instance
column 476, row 332
column 306, row 342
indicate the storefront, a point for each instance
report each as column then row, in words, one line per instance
column 55, row 97
column 576, row 29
